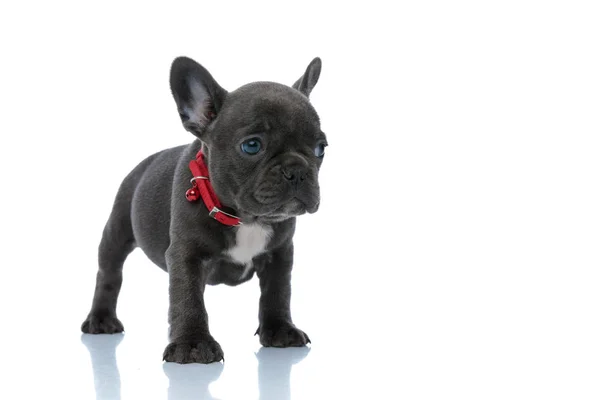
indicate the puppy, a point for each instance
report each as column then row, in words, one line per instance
column 220, row 209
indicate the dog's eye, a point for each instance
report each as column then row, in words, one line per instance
column 251, row 146
column 320, row 150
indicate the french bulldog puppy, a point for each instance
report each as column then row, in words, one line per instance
column 262, row 146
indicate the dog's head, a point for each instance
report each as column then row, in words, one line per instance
column 263, row 141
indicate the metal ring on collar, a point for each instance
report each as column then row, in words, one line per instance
column 198, row 177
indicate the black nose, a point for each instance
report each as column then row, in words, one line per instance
column 295, row 173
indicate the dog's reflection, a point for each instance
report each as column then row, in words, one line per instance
column 190, row 381
column 103, row 349
column 274, row 369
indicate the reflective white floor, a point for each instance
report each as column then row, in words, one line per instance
column 192, row 381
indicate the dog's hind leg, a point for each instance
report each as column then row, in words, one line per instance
column 116, row 244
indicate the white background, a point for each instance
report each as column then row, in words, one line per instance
column 456, row 252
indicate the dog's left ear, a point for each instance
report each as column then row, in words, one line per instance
column 307, row 82
column 198, row 96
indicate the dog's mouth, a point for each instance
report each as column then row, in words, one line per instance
column 282, row 210
column 310, row 208
column 293, row 207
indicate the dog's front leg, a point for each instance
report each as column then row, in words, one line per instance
column 276, row 328
column 189, row 338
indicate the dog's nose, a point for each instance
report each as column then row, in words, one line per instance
column 294, row 173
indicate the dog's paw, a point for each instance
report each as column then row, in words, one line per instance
column 204, row 351
column 101, row 324
column 282, row 334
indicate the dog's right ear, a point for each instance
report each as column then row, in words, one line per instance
column 198, row 96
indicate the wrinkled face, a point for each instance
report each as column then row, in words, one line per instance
column 264, row 150
column 263, row 142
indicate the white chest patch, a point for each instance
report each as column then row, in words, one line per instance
column 250, row 241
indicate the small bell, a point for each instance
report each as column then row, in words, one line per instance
column 192, row 194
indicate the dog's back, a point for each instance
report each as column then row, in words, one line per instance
column 139, row 216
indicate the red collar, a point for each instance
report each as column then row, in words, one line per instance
column 201, row 184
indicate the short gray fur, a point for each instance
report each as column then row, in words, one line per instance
column 269, row 189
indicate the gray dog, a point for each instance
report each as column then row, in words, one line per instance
column 219, row 209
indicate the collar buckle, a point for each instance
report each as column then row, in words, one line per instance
column 215, row 210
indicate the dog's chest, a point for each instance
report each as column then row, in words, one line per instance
column 250, row 241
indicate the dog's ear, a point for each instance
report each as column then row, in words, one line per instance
column 198, row 96
column 307, row 82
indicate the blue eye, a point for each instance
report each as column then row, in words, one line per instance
column 251, row 146
column 320, row 150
